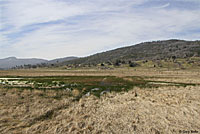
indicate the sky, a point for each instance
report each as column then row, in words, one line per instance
column 60, row 28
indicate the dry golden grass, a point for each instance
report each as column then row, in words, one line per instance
column 164, row 110
column 98, row 72
column 75, row 92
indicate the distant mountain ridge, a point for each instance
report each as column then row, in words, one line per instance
column 144, row 51
column 12, row 62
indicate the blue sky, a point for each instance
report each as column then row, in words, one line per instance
column 59, row 28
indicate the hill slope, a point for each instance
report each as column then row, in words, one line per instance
column 61, row 60
column 145, row 51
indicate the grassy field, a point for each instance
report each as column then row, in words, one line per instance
column 123, row 100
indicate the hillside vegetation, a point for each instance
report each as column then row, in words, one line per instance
column 167, row 54
column 156, row 50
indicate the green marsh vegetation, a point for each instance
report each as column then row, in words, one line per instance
column 84, row 85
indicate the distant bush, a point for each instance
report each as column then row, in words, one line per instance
column 118, row 63
column 133, row 64
column 102, row 64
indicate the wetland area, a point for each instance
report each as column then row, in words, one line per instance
column 99, row 101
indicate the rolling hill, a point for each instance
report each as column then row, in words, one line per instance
column 156, row 50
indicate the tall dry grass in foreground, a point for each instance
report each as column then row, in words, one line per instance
column 163, row 110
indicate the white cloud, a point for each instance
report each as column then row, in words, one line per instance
column 22, row 12
column 163, row 6
column 49, row 42
column 80, row 28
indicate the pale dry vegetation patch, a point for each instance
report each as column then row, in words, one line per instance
column 138, row 71
column 151, row 110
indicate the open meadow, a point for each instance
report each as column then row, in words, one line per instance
column 97, row 101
